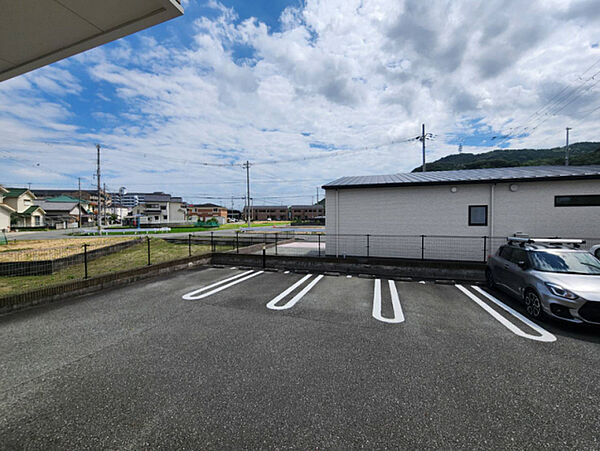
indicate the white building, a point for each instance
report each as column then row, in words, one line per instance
column 160, row 208
column 538, row 201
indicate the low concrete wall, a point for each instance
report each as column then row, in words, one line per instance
column 434, row 270
column 68, row 290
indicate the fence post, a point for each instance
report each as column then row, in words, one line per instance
column 190, row 245
column 275, row 243
column 319, row 235
column 264, row 257
column 148, row 241
column 237, row 241
column 368, row 244
column 422, row 247
column 212, row 241
column 484, row 248
column 85, row 246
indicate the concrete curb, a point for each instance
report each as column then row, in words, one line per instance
column 362, row 266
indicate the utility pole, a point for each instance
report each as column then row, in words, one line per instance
column 567, row 150
column 98, row 189
column 317, row 194
column 248, row 213
column 423, row 139
column 79, row 201
column 104, row 210
column 29, row 186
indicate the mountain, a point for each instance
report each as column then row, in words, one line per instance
column 580, row 154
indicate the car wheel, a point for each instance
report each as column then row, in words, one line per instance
column 489, row 278
column 597, row 253
column 533, row 305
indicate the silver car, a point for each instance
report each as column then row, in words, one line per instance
column 552, row 277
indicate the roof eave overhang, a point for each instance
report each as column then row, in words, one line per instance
column 169, row 10
column 463, row 182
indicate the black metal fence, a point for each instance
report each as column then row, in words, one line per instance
column 419, row 247
column 24, row 266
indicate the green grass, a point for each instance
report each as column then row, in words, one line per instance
column 133, row 257
column 230, row 226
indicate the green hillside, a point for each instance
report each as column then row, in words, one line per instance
column 580, row 154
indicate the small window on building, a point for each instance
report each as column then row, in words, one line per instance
column 591, row 200
column 156, row 218
column 164, row 216
column 478, row 215
column 38, row 220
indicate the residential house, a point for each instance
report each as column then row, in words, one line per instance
column 89, row 197
column 26, row 213
column 62, row 215
column 205, row 212
column 159, row 209
column 5, row 211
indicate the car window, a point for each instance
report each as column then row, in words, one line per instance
column 565, row 262
column 518, row 255
column 506, row 252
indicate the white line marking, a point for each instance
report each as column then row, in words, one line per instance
column 398, row 314
column 545, row 336
column 271, row 305
column 190, row 297
column 348, row 277
column 286, row 272
column 220, row 282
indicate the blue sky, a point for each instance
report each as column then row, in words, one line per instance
column 271, row 81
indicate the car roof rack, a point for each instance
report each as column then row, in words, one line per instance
column 549, row 242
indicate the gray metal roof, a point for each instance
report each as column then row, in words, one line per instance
column 524, row 173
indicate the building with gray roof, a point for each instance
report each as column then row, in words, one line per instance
column 498, row 202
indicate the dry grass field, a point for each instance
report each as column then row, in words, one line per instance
column 19, row 251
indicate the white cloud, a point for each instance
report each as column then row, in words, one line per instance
column 341, row 73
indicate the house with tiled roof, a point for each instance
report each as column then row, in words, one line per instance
column 25, row 212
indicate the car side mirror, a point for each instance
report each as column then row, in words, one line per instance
column 522, row 265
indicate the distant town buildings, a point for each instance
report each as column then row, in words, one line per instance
column 66, row 208
column 267, row 213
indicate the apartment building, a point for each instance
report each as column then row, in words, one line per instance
column 306, row 212
column 267, row 213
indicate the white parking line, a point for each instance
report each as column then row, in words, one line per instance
column 272, row 304
column 191, row 296
column 398, row 313
column 544, row 336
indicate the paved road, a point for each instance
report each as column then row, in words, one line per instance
column 66, row 233
column 284, row 360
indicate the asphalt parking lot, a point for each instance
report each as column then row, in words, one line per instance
column 239, row 358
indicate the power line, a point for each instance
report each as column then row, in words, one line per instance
column 556, row 104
